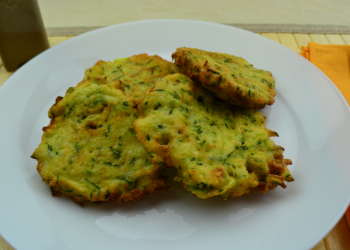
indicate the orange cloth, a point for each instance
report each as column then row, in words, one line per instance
column 334, row 61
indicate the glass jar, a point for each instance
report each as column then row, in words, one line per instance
column 22, row 32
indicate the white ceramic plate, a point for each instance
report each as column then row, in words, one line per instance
column 310, row 115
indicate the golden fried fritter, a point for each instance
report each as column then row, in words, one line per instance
column 89, row 151
column 217, row 148
column 231, row 78
column 135, row 75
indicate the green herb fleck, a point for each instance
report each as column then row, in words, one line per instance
column 200, row 99
column 118, row 77
column 220, row 79
column 201, row 185
column 107, row 195
column 144, row 63
column 115, row 152
column 230, row 153
column 197, row 128
column 97, row 187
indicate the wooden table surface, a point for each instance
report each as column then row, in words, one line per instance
column 339, row 237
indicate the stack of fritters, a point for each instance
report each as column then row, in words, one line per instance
column 89, row 152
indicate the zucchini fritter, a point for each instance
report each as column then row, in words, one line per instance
column 89, row 151
column 135, row 75
column 217, row 148
column 231, row 78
